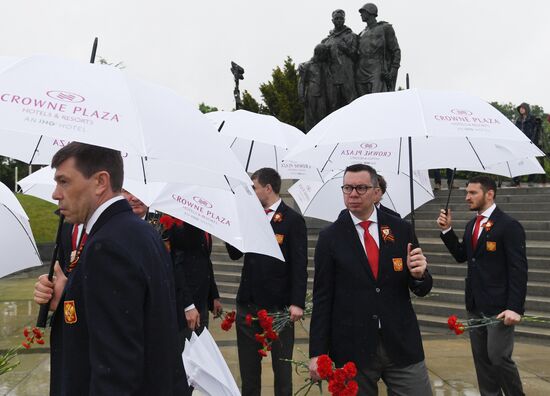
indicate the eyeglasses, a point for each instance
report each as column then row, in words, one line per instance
column 361, row 188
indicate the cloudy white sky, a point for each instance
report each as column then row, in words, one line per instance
column 495, row 49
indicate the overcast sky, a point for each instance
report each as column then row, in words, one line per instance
column 495, row 49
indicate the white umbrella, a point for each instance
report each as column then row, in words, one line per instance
column 525, row 166
column 447, row 130
column 260, row 140
column 206, row 368
column 234, row 216
column 322, row 199
column 64, row 100
column 17, row 245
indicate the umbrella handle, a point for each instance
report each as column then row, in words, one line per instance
column 450, row 190
column 45, row 308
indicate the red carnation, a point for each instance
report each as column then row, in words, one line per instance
column 352, row 388
column 350, row 370
column 26, row 345
column 262, row 314
column 335, row 386
column 40, row 341
column 262, row 352
column 452, row 322
column 324, row 366
column 26, row 332
column 226, row 325
column 272, row 335
column 459, row 328
column 260, row 338
column 339, row 375
column 248, row 319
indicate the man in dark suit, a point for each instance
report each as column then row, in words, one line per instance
column 496, row 284
column 365, row 266
column 268, row 283
column 190, row 248
column 380, row 193
column 114, row 325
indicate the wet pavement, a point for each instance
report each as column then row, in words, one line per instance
column 448, row 357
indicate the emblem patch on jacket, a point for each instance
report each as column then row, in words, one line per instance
column 280, row 238
column 387, row 235
column 397, row 264
column 70, row 312
column 491, row 246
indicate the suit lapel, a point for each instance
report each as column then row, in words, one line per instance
column 383, row 247
column 116, row 207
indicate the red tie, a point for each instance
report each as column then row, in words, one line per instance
column 475, row 235
column 371, row 248
column 75, row 236
column 268, row 211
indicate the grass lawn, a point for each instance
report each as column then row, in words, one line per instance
column 42, row 218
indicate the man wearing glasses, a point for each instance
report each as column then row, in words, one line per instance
column 365, row 266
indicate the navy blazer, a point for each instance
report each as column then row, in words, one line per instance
column 115, row 329
column 268, row 282
column 497, row 269
column 349, row 304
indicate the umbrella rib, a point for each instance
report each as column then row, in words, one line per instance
column 391, row 200
column 24, row 229
column 143, row 169
column 221, row 126
column 276, row 160
column 317, row 193
column 508, row 166
column 35, row 149
column 328, row 159
column 249, row 155
column 419, row 184
column 233, row 142
column 399, row 157
column 229, row 184
column 475, row 152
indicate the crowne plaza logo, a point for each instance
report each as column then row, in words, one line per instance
column 65, row 96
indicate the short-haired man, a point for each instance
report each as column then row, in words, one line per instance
column 114, row 329
column 365, row 266
column 496, row 284
column 383, row 185
column 268, row 283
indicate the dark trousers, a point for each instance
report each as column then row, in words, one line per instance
column 492, row 348
column 437, row 176
column 411, row 380
column 250, row 362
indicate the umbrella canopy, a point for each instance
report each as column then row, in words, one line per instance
column 447, row 129
column 16, row 240
column 206, row 368
column 526, row 166
column 260, row 140
column 322, row 199
column 100, row 105
column 235, row 216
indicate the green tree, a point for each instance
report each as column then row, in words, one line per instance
column 7, row 171
column 251, row 104
column 204, row 108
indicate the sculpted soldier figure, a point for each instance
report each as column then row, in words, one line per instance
column 312, row 86
column 342, row 47
column 378, row 54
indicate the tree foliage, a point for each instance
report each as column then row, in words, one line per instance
column 280, row 96
column 204, row 108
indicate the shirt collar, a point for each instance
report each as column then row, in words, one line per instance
column 373, row 217
column 489, row 211
column 275, row 205
column 101, row 208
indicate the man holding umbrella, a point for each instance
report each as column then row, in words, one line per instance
column 494, row 246
column 114, row 326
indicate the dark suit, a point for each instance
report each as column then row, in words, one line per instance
column 121, row 336
column 496, row 281
column 193, row 271
column 388, row 211
column 353, row 311
column 271, row 284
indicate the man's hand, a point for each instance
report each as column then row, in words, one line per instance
column 296, row 313
column 444, row 220
column 510, row 317
column 193, row 318
column 313, row 374
column 416, row 262
column 46, row 291
column 217, row 308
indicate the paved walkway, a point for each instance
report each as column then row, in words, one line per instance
column 448, row 357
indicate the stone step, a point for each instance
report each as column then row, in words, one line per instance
column 534, row 248
column 520, row 215
column 534, row 288
column 532, row 303
column 460, row 270
column 444, row 258
column 460, row 225
column 530, row 235
column 516, row 205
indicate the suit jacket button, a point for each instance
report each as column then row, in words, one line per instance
column 377, row 290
